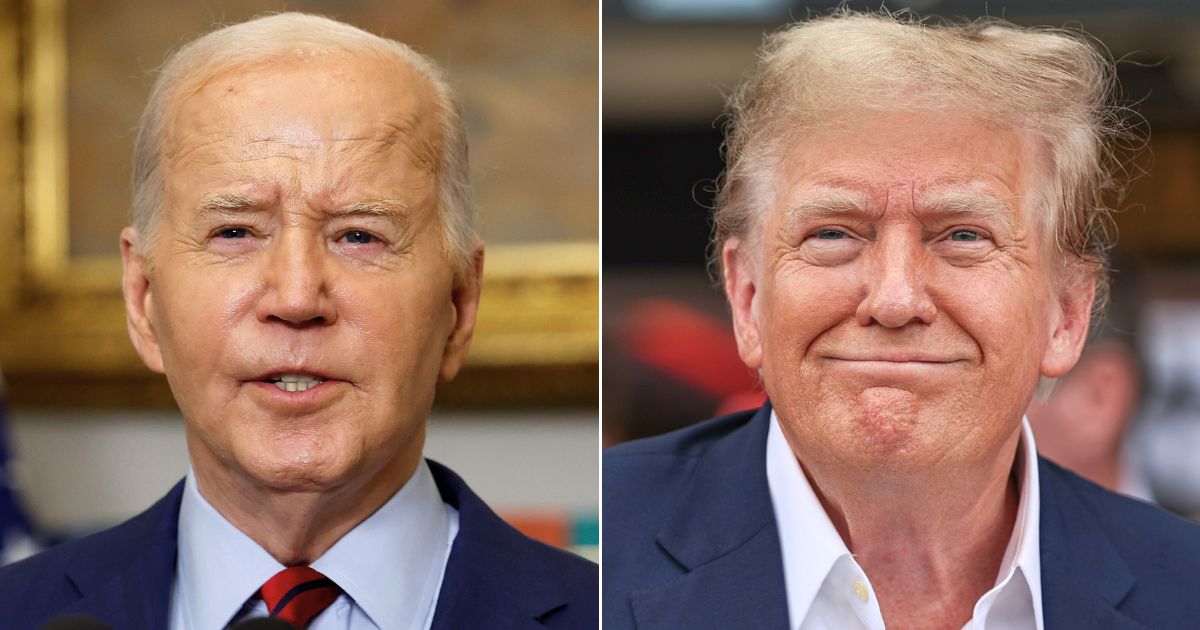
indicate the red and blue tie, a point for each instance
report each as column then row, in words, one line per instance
column 298, row 594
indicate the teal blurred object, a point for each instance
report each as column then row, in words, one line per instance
column 586, row 530
column 585, row 536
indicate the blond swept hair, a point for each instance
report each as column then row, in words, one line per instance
column 1056, row 83
column 260, row 40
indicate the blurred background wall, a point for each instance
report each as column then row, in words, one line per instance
column 670, row 359
column 94, row 437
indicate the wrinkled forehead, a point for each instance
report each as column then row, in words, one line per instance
column 878, row 155
column 305, row 100
column 908, row 145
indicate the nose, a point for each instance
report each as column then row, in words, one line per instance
column 896, row 279
column 296, row 284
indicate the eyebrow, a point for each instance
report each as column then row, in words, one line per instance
column 233, row 203
column 969, row 203
column 835, row 202
column 386, row 208
column 830, row 202
column 226, row 203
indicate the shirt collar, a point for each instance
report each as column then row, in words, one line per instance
column 1022, row 556
column 218, row 567
column 811, row 546
column 810, row 556
column 391, row 564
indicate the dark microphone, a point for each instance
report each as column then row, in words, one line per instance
column 74, row 622
column 261, row 623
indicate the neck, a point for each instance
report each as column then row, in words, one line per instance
column 931, row 543
column 297, row 527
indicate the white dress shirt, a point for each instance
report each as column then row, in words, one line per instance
column 389, row 566
column 827, row 589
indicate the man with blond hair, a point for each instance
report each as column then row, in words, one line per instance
column 910, row 233
column 302, row 267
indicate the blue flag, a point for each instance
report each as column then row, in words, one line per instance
column 16, row 534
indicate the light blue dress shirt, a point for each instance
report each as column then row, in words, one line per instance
column 389, row 567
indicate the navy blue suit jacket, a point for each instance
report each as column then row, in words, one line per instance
column 690, row 541
column 495, row 577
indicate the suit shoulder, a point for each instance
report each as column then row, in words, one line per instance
column 687, row 442
column 561, row 586
column 43, row 585
column 114, row 542
column 545, row 568
column 38, row 587
column 1148, row 536
column 1124, row 514
column 664, row 462
column 580, row 578
column 565, row 587
column 573, row 569
column 43, row 572
column 1121, row 543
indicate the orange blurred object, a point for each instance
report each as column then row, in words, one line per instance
column 549, row 526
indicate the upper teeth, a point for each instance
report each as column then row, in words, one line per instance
column 296, row 382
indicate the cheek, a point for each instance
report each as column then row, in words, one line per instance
column 188, row 322
column 818, row 295
column 800, row 305
column 408, row 332
column 199, row 311
column 200, row 323
column 1005, row 313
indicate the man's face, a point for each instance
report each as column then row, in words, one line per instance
column 897, row 297
column 300, row 301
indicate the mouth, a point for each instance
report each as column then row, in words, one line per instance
column 893, row 367
column 896, row 361
column 894, row 357
column 294, row 382
column 296, row 389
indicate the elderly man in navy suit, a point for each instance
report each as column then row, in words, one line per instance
column 302, row 267
column 910, row 229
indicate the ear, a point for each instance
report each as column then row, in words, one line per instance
column 464, row 302
column 135, row 284
column 1070, row 328
column 740, row 289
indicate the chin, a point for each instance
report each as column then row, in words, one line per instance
column 887, row 419
column 877, row 436
column 300, row 470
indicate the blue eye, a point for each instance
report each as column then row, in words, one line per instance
column 830, row 234
column 234, row 233
column 964, row 235
column 359, row 237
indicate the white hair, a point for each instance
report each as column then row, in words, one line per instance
column 1054, row 83
column 271, row 36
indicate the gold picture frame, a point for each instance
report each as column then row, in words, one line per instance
column 63, row 340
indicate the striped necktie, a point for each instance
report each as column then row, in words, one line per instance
column 298, row 594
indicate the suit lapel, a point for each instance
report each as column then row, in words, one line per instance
column 491, row 580
column 1068, row 602
column 129, row 584
column 723, row 535
column 472, row 599
column 1084, row 579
